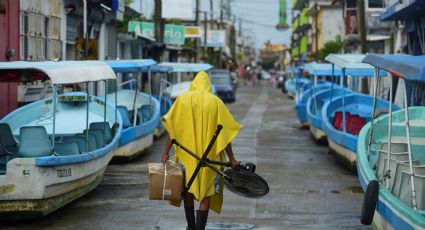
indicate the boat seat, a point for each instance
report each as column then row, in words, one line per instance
column 395, row 147
column 106, row 129
column 405, row 194
column 67, row 148
column 8, row 143
column 144, row 113
column 100, row 141
column 125, row 116
column 34, row 142
column 92, row 143
column 404, row 167
column 383, row 159
column 81, row 142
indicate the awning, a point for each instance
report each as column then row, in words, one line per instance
column 352, row 63
column 186, row 67
column 60, row 73
column 322, row 69
column 407, row 10
column 131, row 65
column 409, row 67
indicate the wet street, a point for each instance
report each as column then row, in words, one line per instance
column 308, row 188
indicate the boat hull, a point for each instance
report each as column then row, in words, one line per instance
column 159, row 131
column 37, row 186
column 134, row 148
column 390, row 212
column 344, row 155
column 317, row 134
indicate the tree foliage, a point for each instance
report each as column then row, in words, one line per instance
column 332, row 46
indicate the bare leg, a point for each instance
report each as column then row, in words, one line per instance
column 204, row 205
column 188, row 200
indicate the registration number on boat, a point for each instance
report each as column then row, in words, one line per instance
column 64, row 172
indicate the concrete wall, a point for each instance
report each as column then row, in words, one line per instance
column 331, row 24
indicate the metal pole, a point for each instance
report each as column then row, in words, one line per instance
column 313, row 93
column 54, row 116
column 409, row 147
column 375, row 95
column 87, row 115
column 116, row 101
column 390, row 125
column 333, row 78
column 135, row 101
column 104, row 116
column 150, row 87
column 344, row 128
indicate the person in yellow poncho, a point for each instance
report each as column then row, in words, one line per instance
column 192, row 121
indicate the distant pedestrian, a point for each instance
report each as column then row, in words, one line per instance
column 192, row 121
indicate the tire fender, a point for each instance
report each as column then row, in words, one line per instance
column 369, row 202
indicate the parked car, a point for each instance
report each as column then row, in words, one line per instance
column 222, row 81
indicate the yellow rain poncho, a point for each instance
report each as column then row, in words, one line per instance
column 192, row 121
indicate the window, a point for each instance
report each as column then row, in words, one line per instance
column 2, row 6
column 376, row 4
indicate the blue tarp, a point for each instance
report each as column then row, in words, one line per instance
column 352, row 63
column 130, row 66
column 178, row 67
column 410, row 67
column 407, row 10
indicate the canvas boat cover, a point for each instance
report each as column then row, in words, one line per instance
column 60, row 73
column 352, row 63
column 410, row 67
column 178, row 67
column 322, row 69
column 130, row 66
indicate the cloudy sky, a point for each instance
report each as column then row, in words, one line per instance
column 259, row 17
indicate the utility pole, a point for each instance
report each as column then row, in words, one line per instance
column 362, row 24
column 221, row 26
column 363, row 36
column 205, row 35
column 158, row 26
column 197, row 24
column 316, row 28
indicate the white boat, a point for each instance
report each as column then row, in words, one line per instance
column 140, row 111
column 54, row 150
column 180, row 86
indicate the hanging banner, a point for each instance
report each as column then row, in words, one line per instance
column 179, row 9
column 215, row 38
column 282, row 16
column 193, row 32
column 174, row 34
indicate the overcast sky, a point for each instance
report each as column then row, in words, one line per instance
column 259, row 17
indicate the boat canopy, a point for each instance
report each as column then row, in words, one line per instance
column 161, row 69
column 352, row 63
column 322, row 69
column 60, row 73
column 178, row 67
column 410, row 67
column 404, row 10
column 131, row 65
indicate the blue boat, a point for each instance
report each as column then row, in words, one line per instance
column 140, row 111
column 297, row 83
column 160, row 74
column 182, row 83
column 317, row 70
column 390, row 160
column 55, row 150
column 344, row 116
